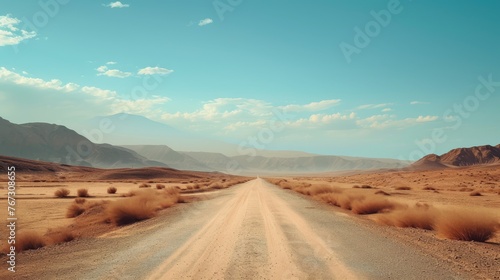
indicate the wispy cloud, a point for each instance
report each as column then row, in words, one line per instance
column 117, row 4
column 313, row 106
column 111, row 63
column 418, row 102
column 154, row 71
column 422, row 119
column 390, row 121
column 54, row 84
column 54, row 93
column 105, row 71
column 385, row 110
column 10, row 34
column 374, row 106
column 204, row 22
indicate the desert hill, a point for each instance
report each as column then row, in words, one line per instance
column 40, row 170
column 290, row 165
column 478, row 155
column 56, row 143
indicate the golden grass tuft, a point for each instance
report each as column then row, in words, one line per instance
column 74, row 210
column 111, row 190
column 381, row 192
column 141, row 206
column 82, row 193
column 371, row 205
column 80, row 200
column 29, row 240
column 61, row 235
column 467, row 225
column 418, row 216
column 475, row 193
column 131, row 210
column 144, row 185
column 216, row 185
column 62, row 192
column 320, row 189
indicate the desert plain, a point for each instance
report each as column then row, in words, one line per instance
column 161, row 223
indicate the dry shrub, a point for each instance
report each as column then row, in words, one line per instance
column 62, row 235
column 112, row 190
column 131, row 210
column 466, row 225
column 402, row 188
column 419, row 216
column 143, row 205
column 356, row 187
column 160, row 186
column 321, row 189
column 216, row 185
column 371, row 205
column 346, row 201
column 366, row 187
column 286, row 185
column 330, row 198
column 29, row 240
column 381, row 192
column 429, row 189
column 62, row 192
column 144, row 185
column 82, row 192
column 475, row 193
column 74, row 210
column 80, row 200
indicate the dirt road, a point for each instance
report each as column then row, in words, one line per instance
column 251, row 231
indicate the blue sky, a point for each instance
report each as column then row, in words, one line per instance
column 221, row 68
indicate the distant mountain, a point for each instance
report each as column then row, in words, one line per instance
column 291, row 165
column 56, row 143
column 166, row 155
column 478, row 155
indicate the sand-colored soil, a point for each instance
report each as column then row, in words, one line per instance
column 251, row 231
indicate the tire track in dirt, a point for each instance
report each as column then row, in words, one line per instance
column 247, row 239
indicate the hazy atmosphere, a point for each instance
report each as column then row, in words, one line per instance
column 329, row 77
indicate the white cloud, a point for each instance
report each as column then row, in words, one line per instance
column 321, row 118
column 98, row 92
column 390, row 121
column 117, row 4
column 10, row 34
column 154, row 71
column 421, row 119
column 313, row 106
column 111, row 63
column 374, row 106
column 86, row 100
column 418, row 102
column 385, row 110
column 104, row 71
column 204, row 22
column 54, row 84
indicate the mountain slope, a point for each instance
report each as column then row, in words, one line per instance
column 56, row 143
column 169, row 157
column 290, row 165
column 478, row 155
